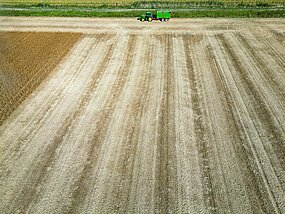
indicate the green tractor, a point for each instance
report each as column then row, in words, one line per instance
column 160, row 15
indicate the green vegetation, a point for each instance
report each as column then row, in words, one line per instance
column 132, row 8
column 124, row 2
column 139, row 4
column 178, row 14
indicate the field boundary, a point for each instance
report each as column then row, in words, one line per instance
column 135, row 9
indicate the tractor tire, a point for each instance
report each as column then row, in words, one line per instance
column 142, row 20
column 150, row 19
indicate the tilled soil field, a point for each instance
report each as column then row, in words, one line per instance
column 183, row 117
column 26, row 59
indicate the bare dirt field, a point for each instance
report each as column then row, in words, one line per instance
column 26, row 59
column 129, row 117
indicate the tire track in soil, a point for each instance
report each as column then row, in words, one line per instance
column 265, row 72
column 273, row 51
column 247, row 153
column 47, row 106
column 142, row 196
column 252, row 180
column 267, row 116
column 58, row 93
column 104, row 119
column 22, row 141
column 199, row 127
column 280, row 37
column 27, row 191
column 259, row 106
column 253, row 146
column 50, row 152
column 263, row 66
column 276, row 89
column 166, row 169
column 91, row 88
column 130, row 143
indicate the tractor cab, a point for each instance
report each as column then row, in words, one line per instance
column 147, row 17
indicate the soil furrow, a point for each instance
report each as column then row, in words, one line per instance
column 265, row 114
column 28, row 70
column 47, row 106
column 258, row 104
column 251, row 132
column 130, row 144
column 13, row 39
column 24, row 66
column 262, row 64
column 122, row 116
column 271, row 47
column 51, row 151
column 25, row 60
column 40, row 167
column 104, row 119
column 245, row 156
column 279, row 36
column 273, row 128
column 276, row 90
column 199, row 127
column 265, row 73
column 166, row 177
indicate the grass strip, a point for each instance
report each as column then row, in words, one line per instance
column 213, row 13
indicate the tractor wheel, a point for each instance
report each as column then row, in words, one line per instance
column 142, row 20
column 150, row 19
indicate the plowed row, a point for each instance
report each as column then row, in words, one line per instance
column 153, row 122
column 26, row 60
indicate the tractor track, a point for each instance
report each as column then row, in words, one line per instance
column 198, row 123
column 21, row 137
column 260, row 109
column 129, row 148
column 245, row 155
column 166, row 194
column 267, row 114
column 272, row 48
column 278, row 93
column 38, row 117
column 263, row 66
column 251, row 149
column 127, row 117
column 103, row 122
column 50, row 152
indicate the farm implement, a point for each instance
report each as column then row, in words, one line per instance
column 160, row 15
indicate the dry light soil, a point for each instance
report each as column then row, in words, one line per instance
column 119, row 116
